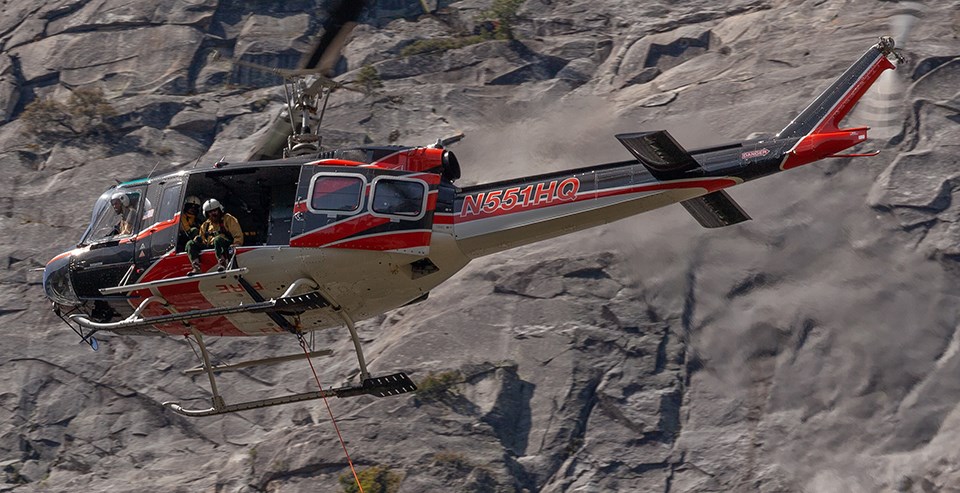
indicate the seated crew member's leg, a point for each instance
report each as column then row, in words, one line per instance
column 221, row 245
column 184, row 237
column 193, row 248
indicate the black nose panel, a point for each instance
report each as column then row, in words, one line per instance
column 56, row 281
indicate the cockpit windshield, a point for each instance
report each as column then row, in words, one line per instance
column 115, row 216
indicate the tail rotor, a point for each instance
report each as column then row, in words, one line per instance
column 882, row 107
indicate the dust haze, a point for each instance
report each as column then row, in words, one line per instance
column 572, row 132
column 813, row 316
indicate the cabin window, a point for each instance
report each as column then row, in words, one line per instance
column 340, row 193
column 169, row 203
column 401, row 197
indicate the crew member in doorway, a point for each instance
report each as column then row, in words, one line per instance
column 220, row 231
column 121, row 205
column 189, row 221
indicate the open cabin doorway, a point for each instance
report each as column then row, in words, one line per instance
column 261, row 198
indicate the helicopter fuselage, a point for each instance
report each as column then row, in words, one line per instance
column 370, row 229
column 366, row 262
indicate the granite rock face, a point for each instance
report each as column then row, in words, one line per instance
column 814, row 348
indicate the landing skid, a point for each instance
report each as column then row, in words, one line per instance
column 396, row 384
column 287, row 304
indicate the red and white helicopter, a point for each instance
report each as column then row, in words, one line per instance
column 342, row 235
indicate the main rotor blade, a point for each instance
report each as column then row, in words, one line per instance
column 331, row 55
column 343, row 18
column 322, row 82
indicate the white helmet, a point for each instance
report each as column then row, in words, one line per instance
column 211, row 205
column 122, row 197
column 193, row 199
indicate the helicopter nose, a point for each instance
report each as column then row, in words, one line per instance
column 56, row 281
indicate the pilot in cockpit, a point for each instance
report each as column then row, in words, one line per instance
column 121, row 205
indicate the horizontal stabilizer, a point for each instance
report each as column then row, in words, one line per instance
column 663, row 157
column 715, row 210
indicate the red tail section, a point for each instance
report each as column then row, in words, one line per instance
column 818, row 126
column 831, row 122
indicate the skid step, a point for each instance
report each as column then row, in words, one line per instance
column 396, row 384
column 297, row 304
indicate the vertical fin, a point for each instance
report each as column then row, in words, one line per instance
column 824, row 114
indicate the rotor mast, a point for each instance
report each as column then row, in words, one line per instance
column 303, row 102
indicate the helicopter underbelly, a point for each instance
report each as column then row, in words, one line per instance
column 364, row 283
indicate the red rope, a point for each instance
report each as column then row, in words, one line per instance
column 303, row 345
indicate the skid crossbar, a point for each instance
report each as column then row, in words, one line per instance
column 265, row 361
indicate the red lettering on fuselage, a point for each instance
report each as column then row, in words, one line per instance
column 517, row 199
column 545, row 194
column 471, row 204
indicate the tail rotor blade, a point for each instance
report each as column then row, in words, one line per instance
column 882, row 107
column 903, row 19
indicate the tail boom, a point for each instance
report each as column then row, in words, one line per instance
column 498, row 216
column 503, row 215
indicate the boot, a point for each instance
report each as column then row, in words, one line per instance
column 222, row 261
column 195, row 264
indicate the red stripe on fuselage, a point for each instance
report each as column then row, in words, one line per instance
column 334, row 162
column 388, row 241
column 338, row 231
column 64, row 254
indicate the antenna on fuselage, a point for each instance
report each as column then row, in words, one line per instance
column 154, row 169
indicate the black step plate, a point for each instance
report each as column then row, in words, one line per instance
column 396, row 384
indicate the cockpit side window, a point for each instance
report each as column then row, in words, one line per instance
column 115, row 215
column 100, row 225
